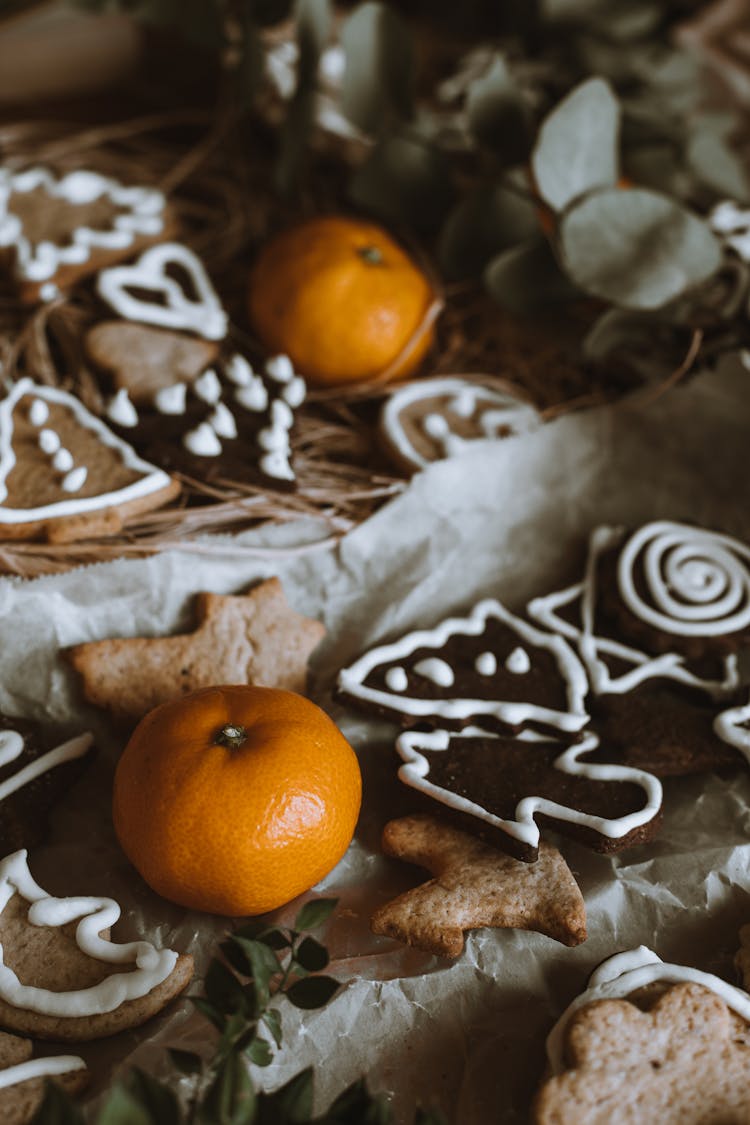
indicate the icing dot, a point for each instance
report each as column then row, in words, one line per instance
column 486, row 664
column 276, row 464
column 38, row 412
column 121, row 410
column 435, row 425
column 222, row 421
column 518, row 661
column 239, row 371
column 294, row 392
column 254, row 396
column 171, row 400
column 49, row 291
column 62, row 460
column 273, row 438
column 464, row 403
column 75, row 479
column 279, row 368
column 202, row 441
column 281, row 415
column 208, row 386
column 49, row 442
column 396, row 679
column 435, row 670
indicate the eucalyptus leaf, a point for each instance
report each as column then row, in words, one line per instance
column 497, row 113
column 357, row 1106
column 312, row 992
column 272, row 1019
column 212, row 1014
column 222, row 988
column 577, row 147
column 617, row 330
column 57, row 1108
column 311, row 955
column 378, row 84
column 187, row 1062
column 230, row 1099
column 488, row 220
column 636, row 248
column 263, row 965
column 294, row 1100
column 405, row 180
column 159, row 1100
column 122, row 1108
column 260, row 1052
column 716, row 164
column 314, row 913
column 527, row 277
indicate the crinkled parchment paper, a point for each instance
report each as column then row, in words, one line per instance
column 508, row 520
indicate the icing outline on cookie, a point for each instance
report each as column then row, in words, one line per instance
column 624, row 973
column 152, row 966
column 416, row 768
column 731, row 727
column 592, row 647
column 205, row 316
column 151, row 480
column 145, row 216
column 351, row 679
column 50, row 1067
column 11, row 747
column 508, row 411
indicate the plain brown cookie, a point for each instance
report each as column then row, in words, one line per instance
column 144, row 360
column 684, row 1062
column 48, row 957
column 19, row 1102
column 474, row 886
column 254, row 638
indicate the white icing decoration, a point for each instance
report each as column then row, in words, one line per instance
column 11, row 747
column 208, row 387
column 731, row 726
column 280, row 369
column 518, row 662
column 222, row 421
column 275, row 438
column 121, row 411
column 276, row 464
column 254, row 396
column 294, row 392
column 698, row 581
column 239, row 371
column 436, row 670
column 415, row 773
column 732, row 223
column 486, row 664
column 352, row 680
column 38, row 412
column 49, row 291
column 624, row 974
column 204, row 316
column 593, row 648
column 171, row 400
column 396, row 679
column 151, row 480
column 50, row 1067
column 75, row 479
column 495, row 410
column 202, row 441
column 49, row 442
column 143, row 216
column 152, row 966
column 63, row 461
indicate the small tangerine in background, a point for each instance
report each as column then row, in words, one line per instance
column 234, row 800
column 342, row 299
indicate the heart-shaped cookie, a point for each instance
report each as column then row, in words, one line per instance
column 149, row 293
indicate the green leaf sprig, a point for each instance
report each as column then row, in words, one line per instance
column 260, row 967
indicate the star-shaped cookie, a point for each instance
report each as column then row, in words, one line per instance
column 475, row 886
column 254, row 638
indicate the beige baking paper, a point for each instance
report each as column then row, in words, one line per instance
column 508, row 520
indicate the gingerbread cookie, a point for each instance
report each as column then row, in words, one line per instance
column 475, row 886
column 167, row 287
column 228, row 422
column 34, row 773
column 63, row 474
column 60, row 975
column 498, row 788
column 254, row 638
column 23, row 1078
column 649, row 1042
column 143, row 361
column 55, row 230
column 432, row 419
column 489, row 668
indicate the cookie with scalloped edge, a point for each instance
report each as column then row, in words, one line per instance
column 61, row 977
column 649, row 1041
column 64, row 475
column 57, row 229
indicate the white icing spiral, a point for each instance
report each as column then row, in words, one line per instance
column 695, row 583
